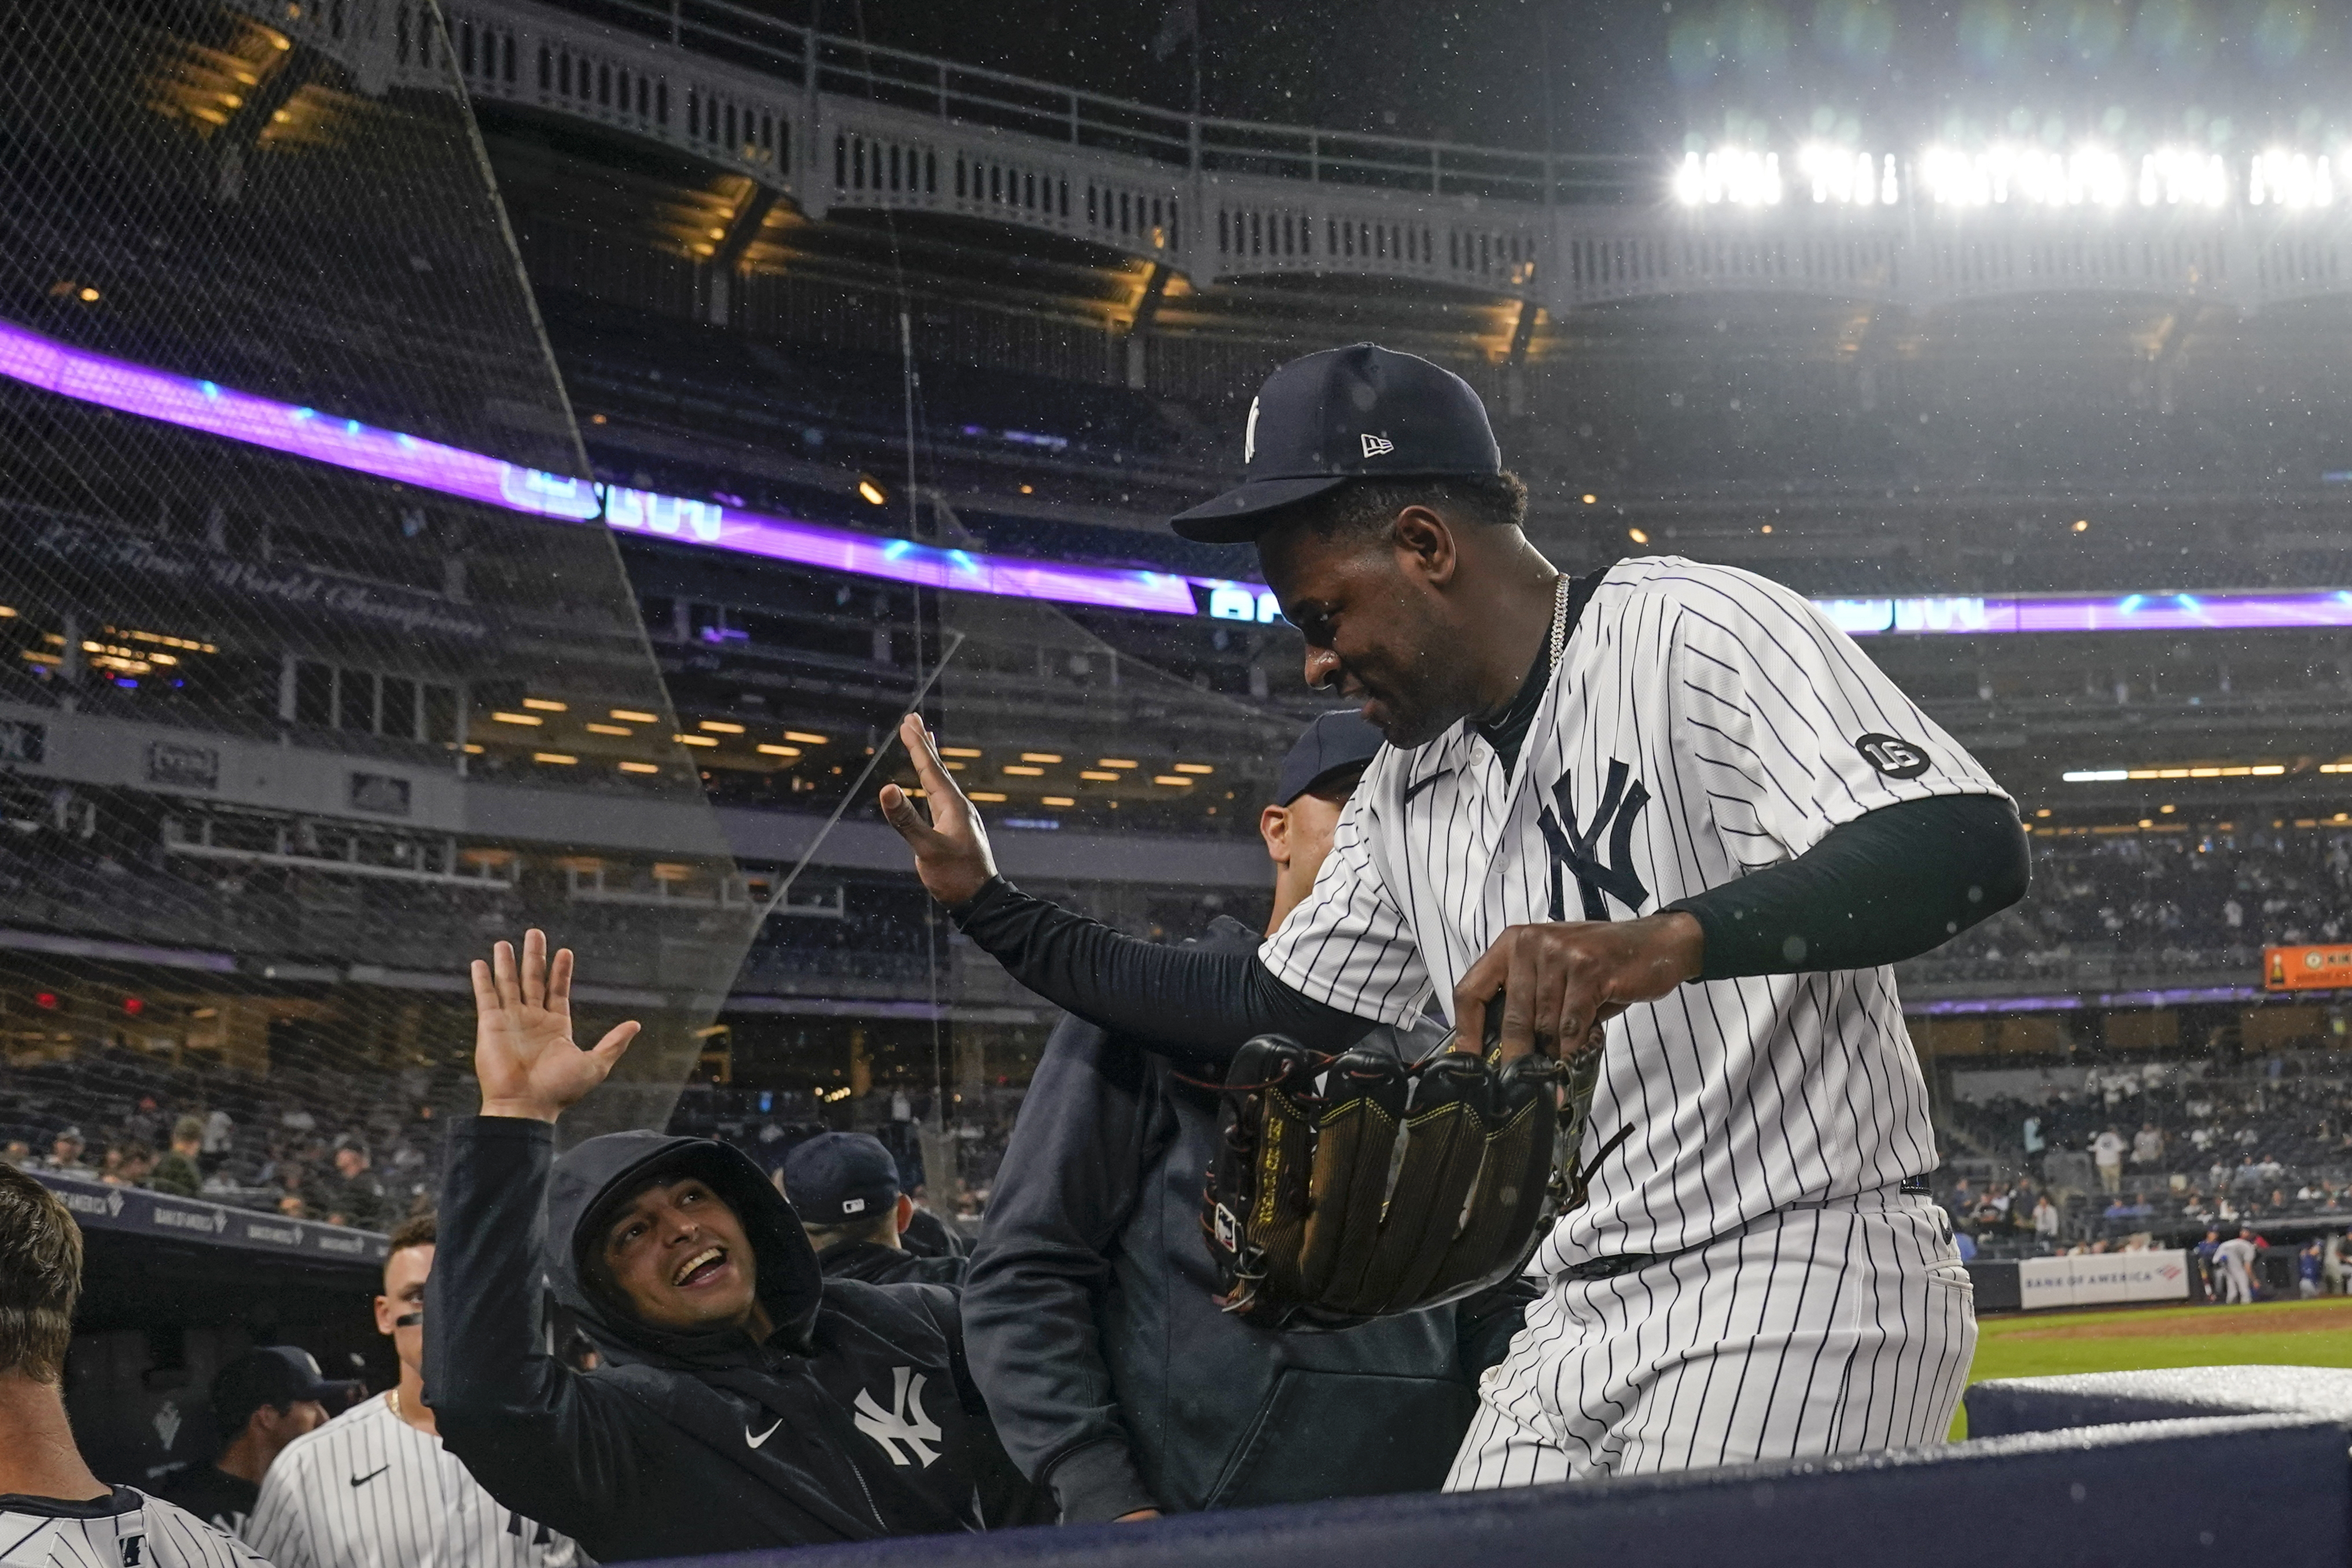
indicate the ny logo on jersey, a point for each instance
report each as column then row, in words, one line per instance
column 904, row 1422
column 1571, row 847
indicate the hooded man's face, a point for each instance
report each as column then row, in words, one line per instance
column 678, row 1256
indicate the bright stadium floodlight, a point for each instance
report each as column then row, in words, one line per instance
column 2027, row 176
column 1728, row 176
column 1846, row 177
column 2183, row 177
column 2296, row 181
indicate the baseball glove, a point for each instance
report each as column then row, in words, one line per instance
column 1351, row 1188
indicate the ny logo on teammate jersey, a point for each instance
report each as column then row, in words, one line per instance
column 904, row 1422
column 1571, row 847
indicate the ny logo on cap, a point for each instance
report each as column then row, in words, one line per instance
column 1376, row 444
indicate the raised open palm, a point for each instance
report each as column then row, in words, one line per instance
column 523, row 1052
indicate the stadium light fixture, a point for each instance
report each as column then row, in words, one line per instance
column 1041, row 756
column 1202, row 769
column 694, row 740
column 633, row 716
column 1018, row 771
column 559, row 759
column 2183, row 177
column 870, row 490
column 719, row 727
column 988, row 795
column 2082, row 525
column 1733, row 176
column 1172, row 779
column 610, row 730
column 959, row 751
column 1059, row 799
column 1093, row 776
column 2296, row 181
column 771, row 749
column 805, row 737
column 546, row 705
column 1115, row 762
column 530, row 719
column 1845, row 177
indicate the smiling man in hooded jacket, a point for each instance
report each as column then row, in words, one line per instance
column 742, row 1400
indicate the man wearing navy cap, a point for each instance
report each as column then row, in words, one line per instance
column 260, row 1402
column 845, row 1188
column 1112, row 1375
column 1666, row 812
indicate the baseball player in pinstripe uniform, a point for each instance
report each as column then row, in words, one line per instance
column 375, row 1488
column 53, row 1512
column 1666, row 812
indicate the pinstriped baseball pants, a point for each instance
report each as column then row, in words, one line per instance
column 1815, row 1331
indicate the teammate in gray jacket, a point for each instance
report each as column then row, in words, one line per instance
column 1113, row 1375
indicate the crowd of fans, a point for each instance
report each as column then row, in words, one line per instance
column 2198, row 900
column 2146, row 1150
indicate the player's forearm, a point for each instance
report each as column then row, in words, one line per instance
column 482, row 1353
column 1205, row 1003
column 1890, row 885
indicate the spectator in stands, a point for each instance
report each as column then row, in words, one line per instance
column 2107, row 1153
column 65, row 1155
column 260, row 1402
column 845, row 1187
column 2148, row 1146
column 354, row 1197
column 16, row 1153
column 50, row 1500
column 926, row 1234
column 2045, row 1219
column 177, row 1172
column 128, row 1165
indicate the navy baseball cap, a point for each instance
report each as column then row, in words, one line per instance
column 276, row 1375
column 1332, row 743
column 841, row 1178
column 1360, row 412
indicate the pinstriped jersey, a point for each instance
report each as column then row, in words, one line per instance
column 369, row 1490
column 1701, row 723
column 128, row 1529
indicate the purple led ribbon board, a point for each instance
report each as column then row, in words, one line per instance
column 38, row 361
column 42, row 361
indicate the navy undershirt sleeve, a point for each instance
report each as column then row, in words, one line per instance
column 1890, row 885
column 1205, row 1003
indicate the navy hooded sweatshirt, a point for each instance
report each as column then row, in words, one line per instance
column 856, row 1420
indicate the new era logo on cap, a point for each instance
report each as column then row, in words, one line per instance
column 1327, row 417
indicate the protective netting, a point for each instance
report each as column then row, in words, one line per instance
column 287, row 741
column 1120, row 773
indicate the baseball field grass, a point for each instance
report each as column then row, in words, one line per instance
column 2270, row 1333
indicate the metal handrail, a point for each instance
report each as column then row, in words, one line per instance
column 952, row 91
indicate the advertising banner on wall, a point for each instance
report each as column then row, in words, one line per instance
column 2091, row 1280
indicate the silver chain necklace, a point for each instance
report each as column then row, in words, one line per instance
column 1558, row 619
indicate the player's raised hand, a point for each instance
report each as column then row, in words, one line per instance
column 523, row 1053
column 1558, row 984
column 951, row 853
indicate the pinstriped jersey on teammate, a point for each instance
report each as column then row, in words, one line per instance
column 126, row 1529
column 1701, row 723
column 369, row 1490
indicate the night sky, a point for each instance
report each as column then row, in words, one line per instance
column 1647, row 77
